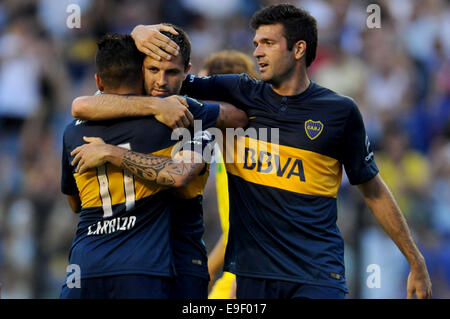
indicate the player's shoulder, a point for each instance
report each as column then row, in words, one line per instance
column 334, row 98
column 246, row 80
column 74, row 123
column 72, row 127
column 77, row 127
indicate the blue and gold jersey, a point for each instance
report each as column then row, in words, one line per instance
column 125, row 222
column 189, row 249
column 284, row 173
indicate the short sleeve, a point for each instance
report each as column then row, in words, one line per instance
column 68, row 183
column 216, row 88
column 206, row 112
column 357, row 154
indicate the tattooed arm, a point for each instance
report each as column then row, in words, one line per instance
column 158, row 169
column 161, row 170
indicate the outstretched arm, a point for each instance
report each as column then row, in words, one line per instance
column 172, row 111
column 382, row 204
column 161, row 170
column 230, row 116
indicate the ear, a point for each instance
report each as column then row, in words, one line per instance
column 99, row 83
column 189, row 67
column 299, row 49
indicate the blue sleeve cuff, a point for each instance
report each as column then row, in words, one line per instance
column 363, row 175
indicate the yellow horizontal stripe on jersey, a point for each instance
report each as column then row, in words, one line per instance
column 284, row 167
column 89, row 189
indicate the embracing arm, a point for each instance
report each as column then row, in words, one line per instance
column 150, row 40
column 158, row 169
column 110, row 106
column 230, row 117
column 385, row 209
column 172, row 111
column 161, row 170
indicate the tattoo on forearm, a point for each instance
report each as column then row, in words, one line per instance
column 162, row 170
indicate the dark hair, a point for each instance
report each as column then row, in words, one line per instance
column 118, row 61
column 298, row 25
column 183, row 41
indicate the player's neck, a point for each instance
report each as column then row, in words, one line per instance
column 123, row 90
column 295, row 84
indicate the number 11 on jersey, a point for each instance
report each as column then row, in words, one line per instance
column 128, row 184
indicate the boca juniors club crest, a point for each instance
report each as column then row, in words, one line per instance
column 313, row 128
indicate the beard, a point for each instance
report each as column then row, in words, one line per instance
column 278, row 78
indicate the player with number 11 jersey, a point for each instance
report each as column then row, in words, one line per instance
column 124, row 225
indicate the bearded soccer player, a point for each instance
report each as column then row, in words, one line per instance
column 123, row 241
column 283, row 238
column 162, row 78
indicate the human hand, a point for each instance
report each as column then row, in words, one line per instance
column 150, row 40
column 173, row 111
column 89, row 155
column 419, row 283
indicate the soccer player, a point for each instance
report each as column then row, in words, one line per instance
column 224, row 62
column 163, row 78
column 122, row 246
column 283, row 238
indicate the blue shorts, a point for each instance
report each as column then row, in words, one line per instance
column 120, row 287
column 261, row 288
column 189, row 287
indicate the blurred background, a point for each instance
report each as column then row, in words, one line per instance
column 399, row 75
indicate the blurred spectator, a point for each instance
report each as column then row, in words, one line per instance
column 53, row 15
column 213, row 9
column 405, row 171
column 342, row 73
column 440, row 162
column 19, row 95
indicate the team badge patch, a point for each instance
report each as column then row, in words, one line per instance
column 313, row 128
